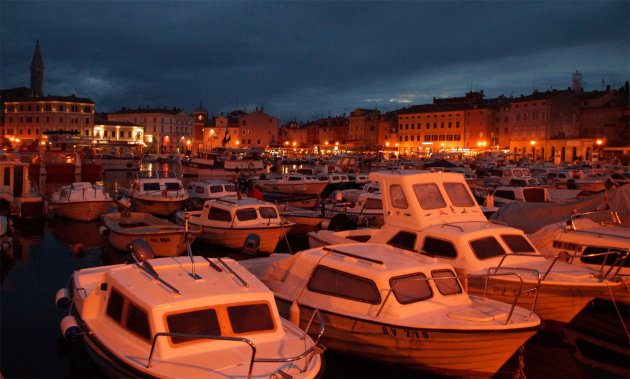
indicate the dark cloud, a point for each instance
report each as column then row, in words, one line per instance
column 306, row 59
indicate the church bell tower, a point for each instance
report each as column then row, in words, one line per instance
column 37, row 73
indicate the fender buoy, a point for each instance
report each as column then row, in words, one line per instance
column 79, row 248
column 164, row 193
column 63, row 298
column 69, row 327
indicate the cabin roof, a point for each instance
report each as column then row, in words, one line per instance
column 236, row 202
column 214, row 286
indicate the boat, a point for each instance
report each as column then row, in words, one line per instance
column 16, row 192
column 222, row 164
column 82, row 201
column 435, row 214
column 200, row 191
column 183, row 317
column 231, row 222
column 165, row 238
column 292, row 183
column 508, row 194
column 353, row 193
column 156, row 192
column 366, row 209
column 594, row 239
column 390, row 305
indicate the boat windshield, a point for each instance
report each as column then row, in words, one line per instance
column 203, row 322
column 267, row 212
column 487, row 247
column 518, row 243
column 429, row 196
column 246, row 214
column 173, row 186
column 411, row 288
column 449, row 285
column 459, row 195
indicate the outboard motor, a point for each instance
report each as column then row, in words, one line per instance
column 251, row 245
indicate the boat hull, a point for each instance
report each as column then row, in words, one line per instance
column 81, row 211
column 444, row 351
column 158, row 206
column 165, row 240
column 292, row 188
column 234, row 238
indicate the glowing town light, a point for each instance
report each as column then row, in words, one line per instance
column 387, row 144
column 532, row 142
column 294, row 143
column 337, row 143
column 599, row 142
column 326, row 143
column 286, row 143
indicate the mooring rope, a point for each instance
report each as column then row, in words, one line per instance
column 625, row 327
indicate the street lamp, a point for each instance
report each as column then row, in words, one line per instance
column 532, row 142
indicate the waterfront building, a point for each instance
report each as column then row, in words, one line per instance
column 363, row 128
column 26, row 119
column 212, row 132
column 171, row 129
column 117, row 132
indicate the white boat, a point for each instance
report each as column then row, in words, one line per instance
column 156, row 192
column 292, row 183
column 184, row 317
column 587, row 239
column 221, row 166
column 353, row 193
column 165, row 238
column 435, row 214
column 230, row 221
column 509, row 194
column 390, row 305
column 211, row 189
column 23, row 200
column 82, row 201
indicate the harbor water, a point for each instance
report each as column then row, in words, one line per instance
column 47, row 251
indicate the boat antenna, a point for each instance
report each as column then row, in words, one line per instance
column 192, row 259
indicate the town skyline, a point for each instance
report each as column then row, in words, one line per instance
column 362, row 55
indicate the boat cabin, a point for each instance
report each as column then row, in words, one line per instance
column 15, row 188
column 237, row 213
column 510, row 173
column 156, row 182
column 510, row 194
column 212, row 189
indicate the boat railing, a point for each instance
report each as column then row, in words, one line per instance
column 614, row 219
column 617, row 264
column 517, row 294
column 315, row 349
column 93, row 188
column 243, row 282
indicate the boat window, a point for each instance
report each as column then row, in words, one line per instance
column 459, row 195
column 429, row 196
column 230, row 188
column 267, row 212
column 534, row 195
column 411, row 288
column 219, row 214
column 335, row 178
column 215, row 189
column 203, row 322
column 504, row 194
column 198, row 189
column 246, row 214
column 172, row 186
column 7, row 176
column 518, row 243
column 518, row 173
column 338, row 283
column 151, row 186
column 610, row 258
column 294, row 178
column 486, row 248
column 138, row 321
column 446, row 286
column 403, row 240
column 439, row 248
column 115, row 305
column 250, row 318
column 398, row 196
column 373, row 204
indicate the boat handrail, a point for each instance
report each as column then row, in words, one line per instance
column 213, row 265
column 233, row 273
column 614, row 215
column 155, row 276
column 622, row 256
column 315, row 349
column 486, row 276
column 326, row 248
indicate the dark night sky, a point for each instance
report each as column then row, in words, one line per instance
column 309, row 59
